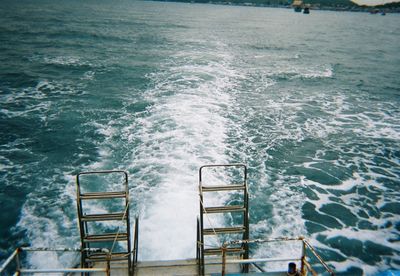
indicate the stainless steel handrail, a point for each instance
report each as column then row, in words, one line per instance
column 304, row 263
column 132, row 259
column 20, row 269
column 200, row 223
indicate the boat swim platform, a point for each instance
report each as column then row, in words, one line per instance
column 97, row 257
column 185, row 267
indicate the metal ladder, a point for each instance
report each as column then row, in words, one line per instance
column 242, row 250
column 92, row 235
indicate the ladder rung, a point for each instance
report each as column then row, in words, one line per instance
column 224, row 209
column 101, row 217
column 106, row 237
column 101, row 257
column 218, row 251
column 226, row 230
column 103, row 195
column 222, row 188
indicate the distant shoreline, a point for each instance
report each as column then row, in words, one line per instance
column 367, row 9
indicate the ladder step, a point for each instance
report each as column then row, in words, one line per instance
column 222, row 188
column 102, row 217
column 224, row 209
column 226, row 230
column 106, row 237
column 103, row 195
column 102, row 257
column 218, row 251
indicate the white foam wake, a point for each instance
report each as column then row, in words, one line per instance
column 184, row 129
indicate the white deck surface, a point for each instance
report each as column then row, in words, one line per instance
column 175, row 268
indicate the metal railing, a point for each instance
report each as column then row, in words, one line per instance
column 87, row 237
column 135, row 245
column 305, row 268
column 241, row 169
column 14, row 259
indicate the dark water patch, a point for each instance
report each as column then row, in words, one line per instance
column 152, row 39
column 329, row 254
column 368, row 208
column 310, row 193
column 121, row 80
column 23, row 156
column 284, row 77
column 59, row 72
column 363, row 214
column 351, row 271
column 339, row 172
column 392, row 207
column 318, row 189
column 313, row 227
column 387, row 224
column 18, row 79
column 84, row 155
column 368, row 251
column 373, row 196
column 349, row 247
column 372, row 211
column 314, row 175
column 18, row 238
column 394, row 153
column 56, row 144
column 330, row 155
column 20, row 127
column 340, row 212
column 388, row 156
column 378, row 249
column 382, row 171
column 267, row 47
column 138, row 107
column 262, row 203
column 339, row 193
column 92, row 37
column 336, row 200
column 309, row 213
column 304, row 151
column 11, row 201
column 366, row 225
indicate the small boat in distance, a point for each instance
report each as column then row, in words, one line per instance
column 306, row 9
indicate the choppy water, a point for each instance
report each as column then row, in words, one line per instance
column 310, row 103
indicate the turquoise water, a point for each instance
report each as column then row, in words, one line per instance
column 309, row 103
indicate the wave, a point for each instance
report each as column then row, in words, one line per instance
column 183, row 130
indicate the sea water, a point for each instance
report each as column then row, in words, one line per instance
column 309, row 102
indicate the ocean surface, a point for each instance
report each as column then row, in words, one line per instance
column 311, row 103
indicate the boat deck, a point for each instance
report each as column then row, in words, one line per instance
column 186, row 267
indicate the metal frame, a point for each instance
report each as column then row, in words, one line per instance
column 200, row 222
column 135, row 244
column 20, row 270
column 305, row 265
column 85, row 250
column 132, row 259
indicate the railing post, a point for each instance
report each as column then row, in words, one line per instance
column 18, row 261
column 135, row 246
column 223, row 259
column 246, row 234
column 201, row 249
column 108, row 268
column 303, row 257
